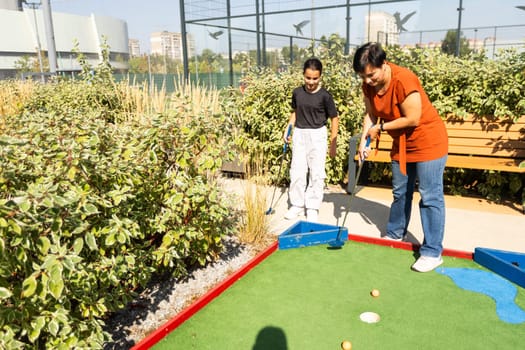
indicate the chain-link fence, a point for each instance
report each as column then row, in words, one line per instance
column 271, row 33
column 169, row 82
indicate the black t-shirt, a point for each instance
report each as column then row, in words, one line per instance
column 312, row 110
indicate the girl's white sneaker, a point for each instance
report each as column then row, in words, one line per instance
column 311, row 215
column 293, row 212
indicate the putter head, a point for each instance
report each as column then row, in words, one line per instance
column 336, row 244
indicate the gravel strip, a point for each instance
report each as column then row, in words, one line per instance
column 164, row 298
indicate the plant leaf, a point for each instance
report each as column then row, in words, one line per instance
column 29, row 286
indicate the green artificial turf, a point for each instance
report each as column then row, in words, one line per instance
column 311, row 298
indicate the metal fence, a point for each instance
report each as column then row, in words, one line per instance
column 488, row 38
column 169, row 82
column 230, row 27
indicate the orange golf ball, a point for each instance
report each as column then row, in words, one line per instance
column 346, row 345
column 374, row 293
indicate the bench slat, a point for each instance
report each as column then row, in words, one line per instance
column 484, row 163
column 491, row 144
column 487, row 151
column 493, row 135
column 466, row 145
column 463, row 139
column 489, row 127
column 483, row 123
column 456, row 161
column 476, row 149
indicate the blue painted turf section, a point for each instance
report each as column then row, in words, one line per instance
column 498, row 288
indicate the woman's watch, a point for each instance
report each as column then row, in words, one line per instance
column 381, row 127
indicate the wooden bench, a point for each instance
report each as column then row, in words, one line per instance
column 474, row 143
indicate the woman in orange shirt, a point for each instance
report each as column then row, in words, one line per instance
column 396, row 103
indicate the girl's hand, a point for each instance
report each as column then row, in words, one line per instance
column 287, row 135
column 333, row 148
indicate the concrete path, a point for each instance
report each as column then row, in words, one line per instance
column 470, row 222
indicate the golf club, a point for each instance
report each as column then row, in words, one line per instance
column 285, row 148
column 338, row 243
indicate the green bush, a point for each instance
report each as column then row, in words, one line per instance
column 92, row 204
column 469, row 85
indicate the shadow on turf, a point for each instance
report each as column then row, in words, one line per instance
column 372, row 212
column 270, row 338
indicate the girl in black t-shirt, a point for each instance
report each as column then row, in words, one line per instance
column 312, row 105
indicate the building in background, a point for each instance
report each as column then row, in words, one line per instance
column 13, row 5
column 22, row 33
column 169, row 44
column 381, row 27
column 134, row 48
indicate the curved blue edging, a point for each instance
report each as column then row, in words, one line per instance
column 499, row 289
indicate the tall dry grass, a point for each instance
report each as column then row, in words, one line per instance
column 138, row 98
column 186, row 97
column 254, row 225
column 198, row 99
column 13, row 94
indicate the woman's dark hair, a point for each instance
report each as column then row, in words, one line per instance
column 313, row 64
column 369, row 53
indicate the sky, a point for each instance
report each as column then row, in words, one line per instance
column 144, row 17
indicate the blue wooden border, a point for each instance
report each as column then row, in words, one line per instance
column 510, row 265
column 304, row 233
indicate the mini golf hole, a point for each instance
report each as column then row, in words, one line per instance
column 369, row 317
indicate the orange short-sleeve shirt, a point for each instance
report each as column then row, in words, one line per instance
column 428, row 140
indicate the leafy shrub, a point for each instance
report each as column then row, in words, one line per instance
column 469, row 85
column 93, row 203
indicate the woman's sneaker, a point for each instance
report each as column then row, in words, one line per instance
column 427, row 263
column 392, row 238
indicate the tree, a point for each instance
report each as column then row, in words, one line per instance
column 448, row 45
column 242, row 61
column 138, row 64
column 24, row 65
column 334, row 45
column 210, row 62
column 30, row 64
column 158, row 64
column 273, row 59
column 299, row 54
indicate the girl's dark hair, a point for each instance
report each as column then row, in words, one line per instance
column 313, row 64
column 369, row 53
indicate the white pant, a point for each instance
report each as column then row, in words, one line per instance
column 309, row 147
